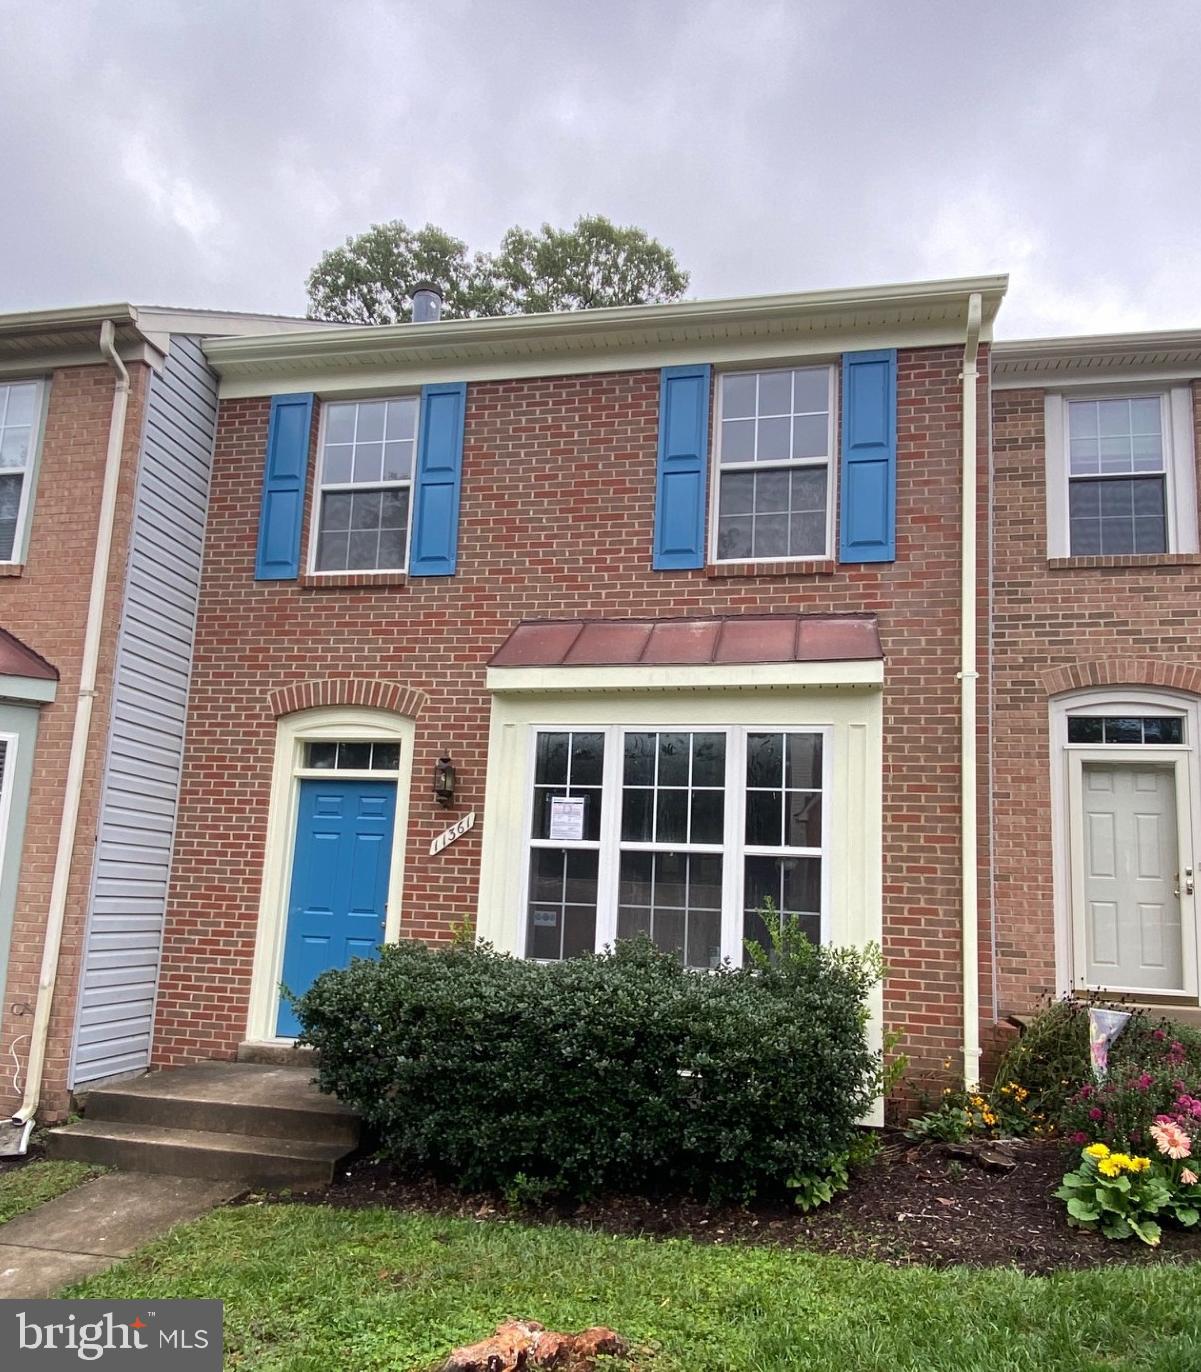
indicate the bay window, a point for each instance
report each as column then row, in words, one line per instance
column 681, row 835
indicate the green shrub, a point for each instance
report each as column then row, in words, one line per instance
column 619, row 1070
column 1050, row 1060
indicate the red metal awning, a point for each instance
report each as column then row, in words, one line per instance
column 716, row 640
column 18, row 660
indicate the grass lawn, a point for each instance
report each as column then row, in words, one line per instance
column 309, row 1289
column 21, row 1188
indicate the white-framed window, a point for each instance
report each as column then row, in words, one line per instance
column 20, row 416
column 774, row 465
column 364, row 485
column 1120, row 473
column 680, row 834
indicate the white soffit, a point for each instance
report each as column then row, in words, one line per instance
column 756, row 329
column 1043, row 362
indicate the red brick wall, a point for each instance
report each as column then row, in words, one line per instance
column 1057, row 626
column 46, row 607
column 557, row 508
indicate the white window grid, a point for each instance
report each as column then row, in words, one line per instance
column 824, row 461
column 1180, row 490
column 733, row 846
column 324, row 488
column 11, row 432
column 1079, row 408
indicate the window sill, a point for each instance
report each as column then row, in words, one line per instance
column 1084, row 563
column 810, row 566
column 351, row 581
column 12, row 569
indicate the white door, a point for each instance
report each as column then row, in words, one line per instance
column 1130, row 875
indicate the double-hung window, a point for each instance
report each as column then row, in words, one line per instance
column 1117, row 476
column 20, row 409
column 774, row 461
column 686, row 836
column 368, row 448
column 1120, row 479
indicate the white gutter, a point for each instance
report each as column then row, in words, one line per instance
column 967, row 693
column 80, row 737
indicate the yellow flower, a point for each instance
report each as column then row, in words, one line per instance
column 1097, row 1150
column 989, row 1118
column 1109, row 1167
column 1137, row 1164
column 1120, row 1160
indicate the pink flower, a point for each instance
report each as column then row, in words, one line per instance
column 1171, row 1140
column 1188, row 1177
column 1144, row 1082
column 1080, row 1136
column 1095, row 1113
column 1085, row 1092
column 1158, row 1035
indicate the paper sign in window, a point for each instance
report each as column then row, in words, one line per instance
column 566, row 819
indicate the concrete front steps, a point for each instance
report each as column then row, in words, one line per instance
column 264, row 1125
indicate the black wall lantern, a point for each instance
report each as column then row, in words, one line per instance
column 444, row 781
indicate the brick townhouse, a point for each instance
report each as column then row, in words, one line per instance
column 660, row 607
column 106, row 426
column 1096, row 663
column 577, row 626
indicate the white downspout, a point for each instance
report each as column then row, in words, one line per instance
column 967, row 692
column 80, row 737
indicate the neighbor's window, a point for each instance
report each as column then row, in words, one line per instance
column 1145, row 729
column 20, row 405
column 367, row 453
column 774, row 449
column 1117, row 476
column 684, row 839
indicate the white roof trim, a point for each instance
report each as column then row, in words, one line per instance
column 743, row 330
column 1170, row 355
column 709, row 676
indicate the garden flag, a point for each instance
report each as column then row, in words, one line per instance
column 1103, row 1027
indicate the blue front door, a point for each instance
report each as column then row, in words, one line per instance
column 339, row 896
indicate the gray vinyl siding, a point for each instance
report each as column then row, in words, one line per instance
column 123, row 943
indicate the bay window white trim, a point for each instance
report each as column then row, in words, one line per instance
column 1180, row 486
column 850, row 716
column 733, row 847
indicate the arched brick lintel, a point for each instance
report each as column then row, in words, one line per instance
column 375, row 695
column 1123, row 671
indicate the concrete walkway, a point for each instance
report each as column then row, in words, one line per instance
column 96, row 1225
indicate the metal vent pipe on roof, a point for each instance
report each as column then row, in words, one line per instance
column 427, row 303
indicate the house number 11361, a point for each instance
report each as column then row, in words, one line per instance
column 448, row 836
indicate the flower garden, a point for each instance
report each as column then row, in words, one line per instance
column 1134, row 1135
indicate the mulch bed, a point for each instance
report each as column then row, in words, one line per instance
column 913, row 1205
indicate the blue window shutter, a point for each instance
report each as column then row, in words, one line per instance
column 435, row 547
column 284, row 472
column 868, row 523
column 683, row 461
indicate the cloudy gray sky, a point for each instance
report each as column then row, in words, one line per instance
column 204, row 152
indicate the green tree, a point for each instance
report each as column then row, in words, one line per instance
column 370, row 278
column 592, row 264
